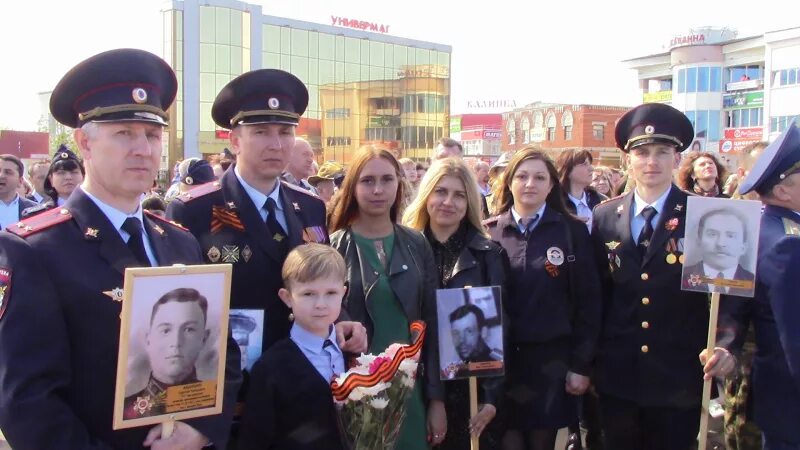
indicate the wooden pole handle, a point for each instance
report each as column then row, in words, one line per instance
column 710, row 345
column 474, row 441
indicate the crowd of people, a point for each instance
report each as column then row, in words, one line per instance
column 596, row 327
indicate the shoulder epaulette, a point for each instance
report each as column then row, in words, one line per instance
column 40, row 222
column 284, row 183
column 490, row 220
column 790, row 227
column 158, row 218
column 612, row 198
column 199, row 191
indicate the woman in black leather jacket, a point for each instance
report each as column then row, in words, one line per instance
column 392, row 281
column 448, row 210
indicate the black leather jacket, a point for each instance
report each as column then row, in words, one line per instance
column 412, row 277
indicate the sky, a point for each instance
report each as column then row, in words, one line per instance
column 561, row 51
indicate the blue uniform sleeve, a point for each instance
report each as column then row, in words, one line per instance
column 35, row 365
column 777, row 273
column 587, row 316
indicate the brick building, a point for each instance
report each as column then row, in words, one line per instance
column 559, row 126
column 25, row 145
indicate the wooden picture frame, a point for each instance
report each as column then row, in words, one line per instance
column 171, row 366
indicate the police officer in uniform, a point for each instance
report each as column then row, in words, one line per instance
column 250, row 217
column 647, row 371
column 776, row 310
column 59, row 333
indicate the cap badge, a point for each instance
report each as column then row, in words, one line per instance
column 139, row 95
column 649, row 129
column 189, row 180
column 273, row 103
column 63, row 155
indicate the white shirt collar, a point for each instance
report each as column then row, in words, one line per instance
column 115, row 216
column 256, row 196
column 639, row 204
column 728, row 274
column 14, row 202
column 517, row 216
column 577, row 201
column 311, row 341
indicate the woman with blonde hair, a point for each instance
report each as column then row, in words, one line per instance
column 448, row 211
column 391, row 279
column 554, row 305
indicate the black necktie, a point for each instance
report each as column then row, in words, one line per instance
column 276, row 231
column 133, row 227
column 647, row 232
column 527, row 223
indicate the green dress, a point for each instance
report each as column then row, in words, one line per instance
column 391, row 326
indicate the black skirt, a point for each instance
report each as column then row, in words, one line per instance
column 536, row 394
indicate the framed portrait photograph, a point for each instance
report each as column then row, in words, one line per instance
column 721, row 246
column 172, row 344
column 470, row 332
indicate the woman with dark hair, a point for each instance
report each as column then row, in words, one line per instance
column 554, row 303
column 575, row 176
column 702, row 174
column 448, row 211
column 392, row 281
column 65, row 174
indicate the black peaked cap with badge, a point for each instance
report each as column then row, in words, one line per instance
column 779, row 160
column 653, row 123
column 113, row 86
column 260, row 96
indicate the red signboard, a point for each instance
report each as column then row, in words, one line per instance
column 222, row 134
column 738, row 138
column 480, row 133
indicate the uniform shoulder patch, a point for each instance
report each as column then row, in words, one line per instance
column 5, row 289
column 299, row 189
column 790, row 227
column 40, row 222
column 199, row 191
column 160, row 219
column 38, row 209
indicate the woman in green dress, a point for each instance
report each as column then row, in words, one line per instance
column 392, row 281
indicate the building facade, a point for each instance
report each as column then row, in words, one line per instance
column 365, row 86
column 480, row 135
column 736, row 91
column 553, row 126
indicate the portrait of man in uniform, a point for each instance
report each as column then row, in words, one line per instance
column 719, row 254
column 470, row 344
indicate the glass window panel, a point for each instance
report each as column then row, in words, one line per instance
column 792, row 78
column 313, row 97
column 702, row 79
column 702, row 123
column 236, row 60
column 364, row 72
column 388, row 54
column 737, row 73
column 691, row 79
column 423, row 56
column 716, row 79
column 206, row 122
column 299, row 42
column 340, row 51
column 220, row 80
column 207, row 89
column 400, row 56
column 736, row 118
column 223, row 22
column 389, row 73
column 271, row 41
column 271, row 61
column 179, row 57
column 713, row 125
column 207, row 24
column 364, row 58
column 352, row 72
column 681, row 81
column 690, row 115
column 236, row 28
column 376, row 53
column 300, row 68
column 223, row 63
column 207, row 58
column 326, row 46
column 339, row 71
column 755, row 117
column 326, row 72
column 754, row 72
column 375, row 73
column 286, row 40
column 246, row 32
column 313, row 44
column 313, row 71
column 286, row 63
column 443, row 59
column 352, row 50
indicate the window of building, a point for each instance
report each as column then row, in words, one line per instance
column 779, row 123
column 744, row 118
column 716, row 79
column 702, row 79
column 526, row 130
column 744, row 73
column 334, row 141
column 551, row 126
column 538, row 120
column 599, row 131
column 681, row 81
column 511, row 128
column 786, row 77
column 337, row 113
column 691, row 79
column 566, row 123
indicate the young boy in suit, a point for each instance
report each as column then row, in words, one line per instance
column 290, row 404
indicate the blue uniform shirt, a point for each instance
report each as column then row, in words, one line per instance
column 117, row 218
column 323, row 354
column 637, row 221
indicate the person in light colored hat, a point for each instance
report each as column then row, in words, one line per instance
column 194, row 172
column 325, row 181
column 62, row 394
column 646, row 369
column 775, row 312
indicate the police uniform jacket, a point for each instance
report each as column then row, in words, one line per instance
column 550, row 301
column 652, row 330
column 776, row 311
column 482, row 262
column 289, row 405
column 412, row 277
column 59, row 336
column 229, row 228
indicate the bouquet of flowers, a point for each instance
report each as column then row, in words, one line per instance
column 371, row 397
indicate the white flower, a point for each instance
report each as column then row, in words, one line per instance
column 356, row 394
column 375, row 390
column 365, row 360
column 379, row 403
column 407, row 382
column 408, row 367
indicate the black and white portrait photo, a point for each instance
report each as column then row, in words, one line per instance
column 470, row 332
column 720, row 245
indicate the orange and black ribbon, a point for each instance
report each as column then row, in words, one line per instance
column 221, row 216
column 386, row 371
